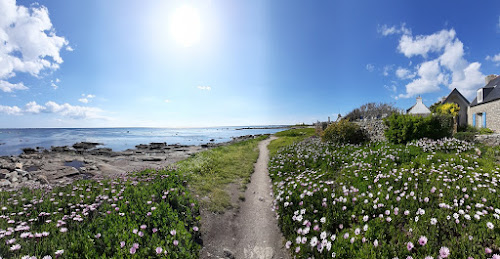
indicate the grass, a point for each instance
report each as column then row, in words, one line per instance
column 289, row 137
column 210, row 172
column 145, row 215
column 426, row 199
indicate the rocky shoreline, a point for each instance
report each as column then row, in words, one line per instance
column 40, row 168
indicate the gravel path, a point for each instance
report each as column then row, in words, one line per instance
column 250, row 229
column 258, row 232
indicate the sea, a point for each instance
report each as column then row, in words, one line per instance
column 12, row 141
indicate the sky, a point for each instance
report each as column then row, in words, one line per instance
column 91, row 63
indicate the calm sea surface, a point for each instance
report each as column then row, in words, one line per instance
column 13, row 140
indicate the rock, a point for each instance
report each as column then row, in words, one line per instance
column 42, row 179
column 212, row 140
column 142, row 146
column 228, row 253
column 261, row 199
column 29, row 151
column 3, row 173
column 19, row 166
column 4, row 183
column 152, row 159
column 60, row 149
column 14, row 179
column 157, row 145
column 85, row 145
column 23, row 173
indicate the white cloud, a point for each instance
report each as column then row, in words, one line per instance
column 86, row 98
column 206, row 88
column 404, row 73
column 387, row 69
column 33, row 107
column 430, row 77
column 386, row 30
column 10, row 110
column 448, row 67
column 69, row 48
column 370, row 67
column 67, row 110
column 29, row 41
column 495, row 58
column 8, row 87
column 423, row 44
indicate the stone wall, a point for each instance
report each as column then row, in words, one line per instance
column 492, row 110
column 375, row 129
column 490, row 140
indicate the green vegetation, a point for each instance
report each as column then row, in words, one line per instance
column 405, row 128
column 426, row 199
column 485, row 131
column 344, row 132
column 289, row 137
column 149, row 214
column 209, row 172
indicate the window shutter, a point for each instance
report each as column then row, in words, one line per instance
column 484, row 119
column 474, row 120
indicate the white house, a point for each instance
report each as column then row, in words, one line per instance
column 419, row 108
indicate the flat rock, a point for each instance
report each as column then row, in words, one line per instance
column 4, row 183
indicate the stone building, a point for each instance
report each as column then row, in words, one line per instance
column 484, row 111
column 419, row 108
column 456, row 97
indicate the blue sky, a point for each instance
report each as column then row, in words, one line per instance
column 211, row 63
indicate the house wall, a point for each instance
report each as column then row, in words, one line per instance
column 492, row 114
column 462, row 114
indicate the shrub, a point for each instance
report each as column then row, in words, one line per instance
column 485, row 131
column 467, row 128
column 405, row 128
column 344, row 132
column 467, row 136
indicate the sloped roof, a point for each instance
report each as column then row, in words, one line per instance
column 493, row 87
column 455, row 92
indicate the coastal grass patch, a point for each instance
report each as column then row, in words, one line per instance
column 288, row 137
column 424, row 199
column 143, row 215
column 210, row 171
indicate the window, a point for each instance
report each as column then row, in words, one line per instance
column 480, row 95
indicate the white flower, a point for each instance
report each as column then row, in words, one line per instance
column 314, row 241
column 433, row 221
column 490, row 225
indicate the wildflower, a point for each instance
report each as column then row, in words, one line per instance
column 495, row 256
column 143, row 226
column 409, row 246
column 288, row 244
column 422, row 240
column 98, row 235
column 297, row 249
column 122, row 244
column 59, row 252
column 173, row 232
column 15, row 247
column 375, row 243
column 47, row 257
column 176, row 242
column 195, row 228
column 433, row 221
column 132, row 250
column 135, row 245
column 314, row 241
column 159, row 250
column 488, row 250
column 444, row 252
column 490, row 225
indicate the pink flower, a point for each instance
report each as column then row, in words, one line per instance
column 15, row 247
column 444, row 252
column 159, row 250
column 176, row 242
column 122, row 244
column 155, row 230
column 422, row 240
column 141, row 234
column 59, row 252
column 495, row 256
column 488, row 250
column 409, row 246
column 135, row 245
column 143, row 226
column 173, row 232
column 134, row 231
column 195, row 228
column 132, row 250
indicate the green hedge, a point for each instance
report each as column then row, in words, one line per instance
column 405, row 128
column 344, row 132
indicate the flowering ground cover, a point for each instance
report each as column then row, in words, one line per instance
column 426, row 199
column 148, row 214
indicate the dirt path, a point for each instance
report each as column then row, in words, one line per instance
column 252, row 231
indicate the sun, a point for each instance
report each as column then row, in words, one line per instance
column 185, row 25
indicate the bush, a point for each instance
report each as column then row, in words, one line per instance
column 405, row 128
column 372, row 110
column 467, row 136
column 467, row 128
column 344, row 132
column 485, row 131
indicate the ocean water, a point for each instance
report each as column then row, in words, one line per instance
column 12, row 141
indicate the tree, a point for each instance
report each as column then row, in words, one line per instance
column 451, row 109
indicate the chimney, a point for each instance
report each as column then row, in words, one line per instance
column 489, row 78
column 419, row 99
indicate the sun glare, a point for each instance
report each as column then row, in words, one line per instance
column 185, row 25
